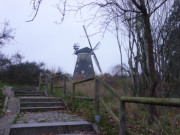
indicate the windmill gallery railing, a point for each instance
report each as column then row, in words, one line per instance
column 121, row 120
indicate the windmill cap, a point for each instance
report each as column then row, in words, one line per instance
column 83, row 50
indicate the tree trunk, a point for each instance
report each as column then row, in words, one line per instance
column 150, row 59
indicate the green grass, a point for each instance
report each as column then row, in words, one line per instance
column 137, row 124
column 85, row 109
column 2, row 99
column 17, row 117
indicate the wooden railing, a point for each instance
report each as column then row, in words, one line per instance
column 121, row 120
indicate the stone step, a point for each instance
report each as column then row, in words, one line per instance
column 55, row 128
column 79, row 133
column 40, row 99
column 29, row 95
column 25, row 88
column 40, row 109
column 28, row 92
column 40, row 104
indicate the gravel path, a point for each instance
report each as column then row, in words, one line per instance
column 43, row 117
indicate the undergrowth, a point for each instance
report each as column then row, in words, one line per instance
column 136, row 115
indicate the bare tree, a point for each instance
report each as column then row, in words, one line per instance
column 6, row 34
column 106, row 11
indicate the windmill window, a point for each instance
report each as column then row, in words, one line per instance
column 76, row 65
column 90, row 66
column 82, row 72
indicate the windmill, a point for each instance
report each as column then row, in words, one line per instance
column 84, row 66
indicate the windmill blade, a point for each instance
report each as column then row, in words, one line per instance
column 94, row 48
column 87, row 37
column 97, row 45
column 97, row 63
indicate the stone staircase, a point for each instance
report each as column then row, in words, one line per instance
column 34, row 104
column 42, row 115
column 27, row 91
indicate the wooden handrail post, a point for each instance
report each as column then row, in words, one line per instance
column 64, row 88
column 40, row 81
column 96, row 100
column 46, row 88
column 122, row 118
column 51, row 86
column 73, row 96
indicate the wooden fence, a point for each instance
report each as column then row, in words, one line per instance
column 121, row 120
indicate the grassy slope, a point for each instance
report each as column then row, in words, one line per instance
column 137, row 117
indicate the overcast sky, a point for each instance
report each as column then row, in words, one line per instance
column 45, row 41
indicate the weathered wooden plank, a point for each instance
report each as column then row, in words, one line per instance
column 69, row 78
column 114, row 117
column 58, row 87
column 173, row 102
column 57, row 76
column 51, row 86
column 122, row 118
column 40, row 80
column 84, row 80
column 49, row 76
column 113, row 91
column 46, row 87
column 64, row 83
column 73, row 95
column 84, row 98
column 96, row 97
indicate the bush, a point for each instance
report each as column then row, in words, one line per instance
column 24, row 73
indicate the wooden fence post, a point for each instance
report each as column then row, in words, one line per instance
column 122, row 118
column 51, row 86
column 73, row 95
column 96, row 100
column 40, row 81
column 46, row 88
column 64, row 88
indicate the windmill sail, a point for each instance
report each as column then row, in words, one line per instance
column 87, row 36
column 94, row 48
column 97, row 63
column 92, row 52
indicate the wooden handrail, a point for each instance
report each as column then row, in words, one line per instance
column 114, row 117
column 121, row 121
column 84, row 80
column 112, row 90
column 84, row 98
column 69, row 78
column 173, row 102
column 57, row 76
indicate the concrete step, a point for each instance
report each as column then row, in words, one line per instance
column 40, row 109
column 25, row 88
column 30, row 95
column 55, row 128
column 28, row 92
column 40, row 104
column 40, row 99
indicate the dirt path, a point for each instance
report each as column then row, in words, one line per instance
column 10, row 113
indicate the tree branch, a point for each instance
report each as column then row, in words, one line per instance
column 157, row 7
column 36, row 9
